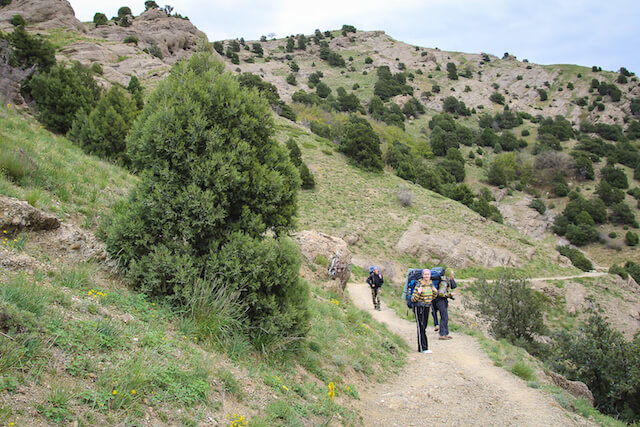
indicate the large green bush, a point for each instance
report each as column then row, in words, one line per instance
column 513, row 309
column 362, row 144
column 103, row 131
column 213, row 185
column 577, row 258
column 61, row 93
column 599, row 356
column 28, row 50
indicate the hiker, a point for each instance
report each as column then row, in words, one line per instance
column 375, row 281
column 441, row 303
column 422, row 296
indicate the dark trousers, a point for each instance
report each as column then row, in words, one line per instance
column 375, row 296
column 422, row 320
column 442, row 305
column 434, row 313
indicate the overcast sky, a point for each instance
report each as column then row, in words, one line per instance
column 582, row 32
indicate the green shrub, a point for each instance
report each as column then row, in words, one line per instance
column 362, row 144
column 214, row 184
column 218, row 46
column 61, row 93
column 103, row 131
column 320, row 129
column 308, row 181
column 543, row 94
column 577, row 258
column 633, row 269
column 619, row 270
column 599, row 356
column 154, row 50
column 29, row 50
column 137, row 92
column 497, row 98
column 631, row 238
column 131, row 39
column 538, row 204
column 513, row 309
column 291, row 79
column 18, row 21
column 124, row 11
column 622, row 214
column 100, row 19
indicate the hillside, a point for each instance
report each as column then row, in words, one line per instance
column 79, row 346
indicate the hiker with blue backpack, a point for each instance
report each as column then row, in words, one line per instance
column 444, row 282
column 375, row 281
column 422, row 294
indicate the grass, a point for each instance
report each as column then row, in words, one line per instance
column 54, row 174
column 116, row 371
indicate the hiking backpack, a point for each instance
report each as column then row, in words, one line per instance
column 443, row 284
column 413, row 275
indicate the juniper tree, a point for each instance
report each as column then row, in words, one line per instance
column 216, row 196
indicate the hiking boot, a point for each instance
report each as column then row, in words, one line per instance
column 443, row 337
column 427, row 351
column 446, row 337
column 437, row 328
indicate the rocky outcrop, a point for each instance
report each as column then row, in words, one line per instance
column 577, row 389
column 11, row 77
column 314, row 245
column 453, row 250
column 527, row 220
column 175, row 37
column 42, row 14
column 16, row 216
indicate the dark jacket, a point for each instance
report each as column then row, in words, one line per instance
column 375, row 280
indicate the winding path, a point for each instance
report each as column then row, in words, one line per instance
column 457, row 385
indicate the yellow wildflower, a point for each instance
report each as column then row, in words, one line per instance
column 114, row 392
column 133, row 392
column 332, row 390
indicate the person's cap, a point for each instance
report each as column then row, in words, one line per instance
column 426, row 269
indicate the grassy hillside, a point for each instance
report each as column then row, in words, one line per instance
column 78, row 346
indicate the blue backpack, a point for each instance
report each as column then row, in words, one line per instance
column 413, row 275
column 437, row 273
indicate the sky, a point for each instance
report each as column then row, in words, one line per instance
column 581, row 32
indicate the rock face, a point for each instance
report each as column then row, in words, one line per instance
column 11, row 77
column 16, row 215
column 176, row 38
column 45, row 231
column 313, row 244
column 452, row 250
column 173, row 37
column 527, row 220
column 575, row 388
column 42, row 14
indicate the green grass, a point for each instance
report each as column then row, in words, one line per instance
column 53, row 173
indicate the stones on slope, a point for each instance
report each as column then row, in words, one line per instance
column 527, row 220
column 17, row 215
column 577, row 389
column 451, row 249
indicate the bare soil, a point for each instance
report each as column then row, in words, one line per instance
column 457, row 385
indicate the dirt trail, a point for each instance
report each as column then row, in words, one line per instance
column 457, row 385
